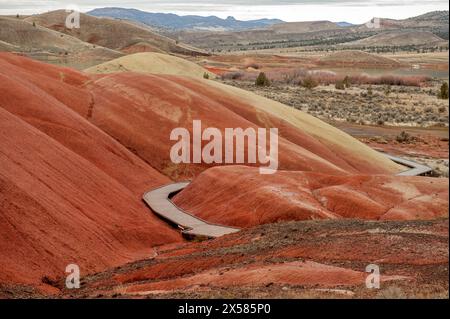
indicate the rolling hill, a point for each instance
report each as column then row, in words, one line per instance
column 399, row 38
column 17, row 35
column 318, row 33
column 149, row 62
column 112, row 34
column 296, row 195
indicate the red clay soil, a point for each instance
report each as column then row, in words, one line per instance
column 143, row 122
column 290, row 273
column 295, row 259
column 41, row 95
column 240, row 196
column 422, row 145
column 140, row 111
column 77, row 153
column 69, row 193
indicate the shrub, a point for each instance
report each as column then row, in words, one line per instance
column 309, row 83
column 403, row 137
column 443, row 93
column 340, row 85
column 262, row 80
column 347, row 81
column 206, row 76
column 387, row 90
column 389, row 80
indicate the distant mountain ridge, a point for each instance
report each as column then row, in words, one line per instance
column 344, row 24
column 173, row 21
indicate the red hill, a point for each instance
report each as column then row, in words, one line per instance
column 69, row 192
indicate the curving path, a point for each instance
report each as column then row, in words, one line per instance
column 159, row 201
column 416, row 169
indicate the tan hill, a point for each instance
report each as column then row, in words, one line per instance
column 18, row 35
column 303, row 27
column 148, row 62
column 359, row 58
column 399, row 38
column 110, row 33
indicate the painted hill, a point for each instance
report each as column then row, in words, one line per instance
column 110, row 33
column 73, row 172
column 70, row 193
column 173, row 21
column 132, row 107
column 148, row 62
column 313, row 259
column 310, row 195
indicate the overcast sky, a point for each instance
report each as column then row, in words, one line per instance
column 355, row 11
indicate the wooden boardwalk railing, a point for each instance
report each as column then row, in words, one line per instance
column 159, row 201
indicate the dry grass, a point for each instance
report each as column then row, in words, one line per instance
column 390, row 105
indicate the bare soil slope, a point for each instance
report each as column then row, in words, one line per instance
column 69, row 192
column 140, row 111
column 399, row 38
column 240, row 196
